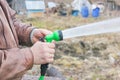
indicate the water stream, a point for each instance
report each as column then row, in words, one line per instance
column 106, row 26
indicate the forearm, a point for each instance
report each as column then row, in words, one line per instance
column 14, row 62
column 23, row 31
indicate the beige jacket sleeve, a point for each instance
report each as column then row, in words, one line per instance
column 14, row 62
column 23, row 29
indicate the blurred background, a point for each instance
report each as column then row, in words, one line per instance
column 95, row 57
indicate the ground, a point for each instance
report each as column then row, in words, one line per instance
column 95, row 57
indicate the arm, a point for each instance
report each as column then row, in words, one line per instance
column 14, row 62
column 23, row 30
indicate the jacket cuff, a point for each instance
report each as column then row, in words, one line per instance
column 31, row 35
column 29, row 30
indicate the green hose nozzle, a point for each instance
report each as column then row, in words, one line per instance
column 56, row 36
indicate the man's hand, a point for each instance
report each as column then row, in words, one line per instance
column 39, row 33
column 43, row 52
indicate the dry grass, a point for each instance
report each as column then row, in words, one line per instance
column 59, row 23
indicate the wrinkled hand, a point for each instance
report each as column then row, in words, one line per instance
column 43, row 52
column 39, row 33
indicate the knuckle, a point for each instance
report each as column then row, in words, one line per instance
column 53, row 51
column 43, row 49
column 52, row 56
column 53, row 45
column 45, row 59
column 52, row 60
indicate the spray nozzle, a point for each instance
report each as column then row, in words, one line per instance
column 57, row 36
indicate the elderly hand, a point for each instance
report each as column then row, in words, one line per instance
column 43, row 52
column 39, row 33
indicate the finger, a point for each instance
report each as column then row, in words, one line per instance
column 50, row 60
column 51, row 45
column 52, row 51
column 45, row 32
column 49, row 50
column 49, row 55
column 53, row 41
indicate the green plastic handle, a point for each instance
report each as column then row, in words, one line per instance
column 56, row 36
column 41, row 77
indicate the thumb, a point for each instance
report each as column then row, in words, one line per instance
column 45, row 32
